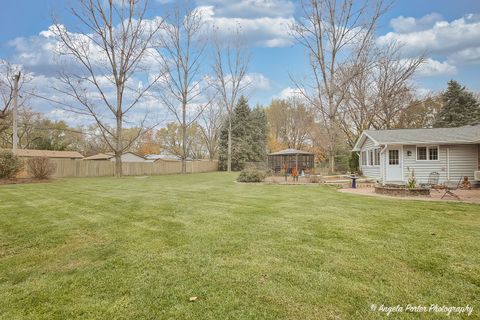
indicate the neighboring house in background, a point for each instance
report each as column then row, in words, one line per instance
column 155, row 157
column 166, row 157
column 30, row 153
column 126, row 157
column 390, row 156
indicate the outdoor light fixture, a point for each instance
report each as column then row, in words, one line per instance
column 409, row 153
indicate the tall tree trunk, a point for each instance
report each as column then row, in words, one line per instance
column 331, row 161
column 184, row 138
column 229, row 148
column 118, row 147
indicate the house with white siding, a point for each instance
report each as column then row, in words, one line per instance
column 390, row 156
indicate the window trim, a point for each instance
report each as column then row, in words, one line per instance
column 427, row 147
column 371, row 157
column 399, row 160
column 376, row 152
column 363, row 158
column 367, row 157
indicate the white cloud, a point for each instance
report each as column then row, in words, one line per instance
column 250, row 9
column 289, row 92
column 257, row 82
column 409, row 24
column 433, row 67
column 469, row 55
column 458, row 39
column 261, row 31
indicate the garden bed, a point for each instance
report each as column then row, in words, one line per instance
column 401, row 191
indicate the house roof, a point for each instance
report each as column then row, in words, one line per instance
column 30, row 153
column 100, row 156
column 460, row 135
column 109, row 155
column 289, row 152
column 161, row 157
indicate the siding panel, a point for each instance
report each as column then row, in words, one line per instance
column 463, row 161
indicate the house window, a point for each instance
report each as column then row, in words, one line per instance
column 421, row 153
column 427, row 153
column 377, row 157
column 364, row 158
column 393, row 157
column 433, row 153
column 370, row 157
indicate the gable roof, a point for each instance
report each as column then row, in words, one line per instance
column 461, row 135
column 110, row 155
column 289, row 152
column 99, row 156
column 30, row 153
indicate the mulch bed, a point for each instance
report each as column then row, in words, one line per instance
column 22, row 181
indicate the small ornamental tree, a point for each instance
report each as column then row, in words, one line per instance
column 10, row 165
column 41, row 167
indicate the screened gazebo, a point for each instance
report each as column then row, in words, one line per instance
column 291, row 158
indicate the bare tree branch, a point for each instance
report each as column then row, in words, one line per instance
column 183, row 88
column 231, row 64
column 110, row 46
column 334, row 33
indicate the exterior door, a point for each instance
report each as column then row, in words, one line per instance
column 394, row 164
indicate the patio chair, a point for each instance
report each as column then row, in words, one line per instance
column 432, row 182
column 451, row 186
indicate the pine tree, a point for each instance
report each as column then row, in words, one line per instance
column 459, row 107
column 258, row 135
column 249, row 136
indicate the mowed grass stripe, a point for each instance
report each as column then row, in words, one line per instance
column 99, row 248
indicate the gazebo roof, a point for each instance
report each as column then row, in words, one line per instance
column 287, row 152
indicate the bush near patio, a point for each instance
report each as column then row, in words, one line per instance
column 10, row 164
column 106, row 248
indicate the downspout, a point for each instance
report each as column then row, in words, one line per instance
column 382, row 167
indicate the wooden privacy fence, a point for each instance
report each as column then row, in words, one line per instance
column 103, row 168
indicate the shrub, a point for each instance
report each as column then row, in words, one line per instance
column 251, row 175
column 10, row 165
column 315, row 179
column 412, row 181
column 41, row 167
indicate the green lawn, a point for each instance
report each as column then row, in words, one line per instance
column 134, row 248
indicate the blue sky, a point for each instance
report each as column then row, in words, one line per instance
column 448, row 30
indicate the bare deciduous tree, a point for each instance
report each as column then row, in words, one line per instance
column 110, row 45
column 170, row 139
column 333, row 32
column 7, row 74
column 230, row 66
column 183, row 88
column 211, row 123
column 379, row 91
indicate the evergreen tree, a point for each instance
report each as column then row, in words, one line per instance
column 258, row 135
column 459, row 107
column 249, row 136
